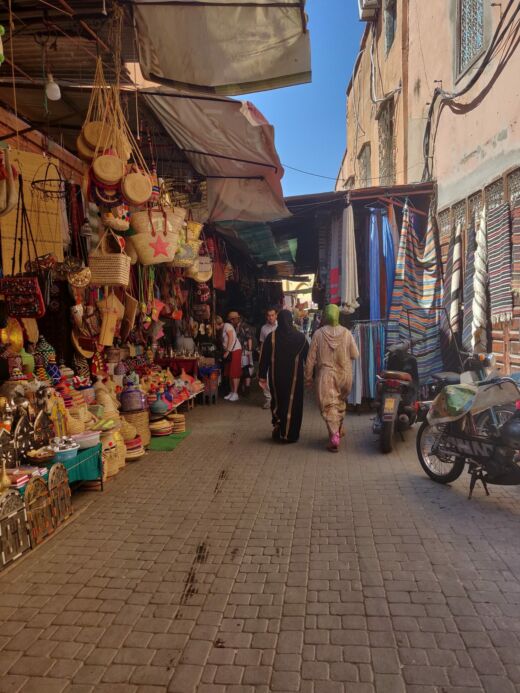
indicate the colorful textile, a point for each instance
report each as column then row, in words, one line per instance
column 499, row 264
column 389, row 257
column 479, row 324
column 452, row 284
column 469, row 289
column 349, row 273
column 375, row 271
column 416, row 300
column 370, row 338
column 515, row 218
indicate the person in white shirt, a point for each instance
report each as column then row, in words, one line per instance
column 271, row 324
column 232, row 357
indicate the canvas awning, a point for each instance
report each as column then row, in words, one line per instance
column 232, row 144
column 223, row 46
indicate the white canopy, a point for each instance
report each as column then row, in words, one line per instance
column 232, row 144
column 223, row 46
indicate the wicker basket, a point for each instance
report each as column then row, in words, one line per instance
column 194, row 230
column 157, row 234
column 128, row 430
column 111, row 462
column 109, row 268
column 74, row 425
column 141, row 421
column 201, row 270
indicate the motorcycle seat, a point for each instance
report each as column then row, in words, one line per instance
column 447, row 377
column 397, row 375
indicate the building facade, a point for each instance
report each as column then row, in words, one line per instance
column 435, row 96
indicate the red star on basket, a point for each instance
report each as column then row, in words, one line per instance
column 160, row 247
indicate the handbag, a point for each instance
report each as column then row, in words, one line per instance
column 22, row 292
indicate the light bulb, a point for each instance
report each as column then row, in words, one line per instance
column 52, row 90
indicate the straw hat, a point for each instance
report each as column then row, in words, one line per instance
column 75, row 342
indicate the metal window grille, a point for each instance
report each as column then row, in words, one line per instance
column 475, row 203
column 445, row 226
column 390, row 22
column 494, row 194
column 365, row 166
column 459, row 213
column 386, row 144
column 471, row 31
column 513, row 184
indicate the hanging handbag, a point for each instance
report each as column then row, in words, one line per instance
column 109, row 268
column 22, row 292
column 157, row 234
column 219, row 273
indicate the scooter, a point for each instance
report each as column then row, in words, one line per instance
column 475, row 424
column 397, row 389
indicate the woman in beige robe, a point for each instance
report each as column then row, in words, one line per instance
column 331, row 353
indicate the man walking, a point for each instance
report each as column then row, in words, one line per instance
column 270, row 326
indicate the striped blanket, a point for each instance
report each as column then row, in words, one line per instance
column 499, row 264
column 480, row 286
column 515, row 214
column 416, row 299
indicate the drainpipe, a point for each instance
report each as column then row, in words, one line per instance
column 405, row 53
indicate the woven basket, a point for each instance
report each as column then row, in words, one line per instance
column 141, row 422
column 137, row 188
column 186, row 254
column 91, row 133
column 74, row 425
column 111, row 462
column 84, row 151
column 157, row 234
column 109, row 268
column 201, row 270
column 194, row 230
column 108, row 169
column 128, row 430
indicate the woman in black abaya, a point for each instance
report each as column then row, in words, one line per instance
column 282, row 359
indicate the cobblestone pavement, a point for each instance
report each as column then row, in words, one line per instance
column 235, row 565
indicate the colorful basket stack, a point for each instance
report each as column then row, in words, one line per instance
column 140, row 419
column 133, row 441
column 161, row 427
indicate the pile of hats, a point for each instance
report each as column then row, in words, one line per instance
column 134, row 448
column 179, row 423
column 132, row 439
column 161, row 427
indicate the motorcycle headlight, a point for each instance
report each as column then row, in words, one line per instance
column 490, row 361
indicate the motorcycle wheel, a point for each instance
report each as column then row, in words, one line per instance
column 386, row 437
column 441, row 471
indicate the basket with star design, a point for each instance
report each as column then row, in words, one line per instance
column 157, row 234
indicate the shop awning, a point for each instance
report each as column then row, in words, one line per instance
column 261, row 243
column 232, row 144
column 223, row 46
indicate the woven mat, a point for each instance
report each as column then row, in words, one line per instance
column 167, row 443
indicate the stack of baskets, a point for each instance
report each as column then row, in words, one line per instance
column 161, row 427
column 133, row 442
column 141, row 421
column 179, row 423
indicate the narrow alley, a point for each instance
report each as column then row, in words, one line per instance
column 270, row 568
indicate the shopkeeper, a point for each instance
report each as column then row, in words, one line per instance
column 232, row 357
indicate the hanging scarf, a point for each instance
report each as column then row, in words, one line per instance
column 469, row 287
column 389, row 256
column 374, row 264
column 499, row 264
column 479, row 325
column 349, row 273
column 516, row 249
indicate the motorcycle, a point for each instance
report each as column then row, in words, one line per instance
column 397, row 388
column 475, row 423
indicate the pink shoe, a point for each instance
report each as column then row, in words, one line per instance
column 334, row 441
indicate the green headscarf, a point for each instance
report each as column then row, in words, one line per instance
column 331, row 315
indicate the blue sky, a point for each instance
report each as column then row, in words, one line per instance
column 309, row 119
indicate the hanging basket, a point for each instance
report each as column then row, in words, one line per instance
column 137, row 188
column 201, row 270
column 109, row 268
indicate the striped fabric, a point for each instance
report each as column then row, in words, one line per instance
column 515, row 217
column 417, row 295
column 499, row 264
column 468, row 292
column 389, row 257
column 375, row 268
column 452, row 282
column 480, row 285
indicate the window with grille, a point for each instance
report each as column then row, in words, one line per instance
column 386, row 144
column 390, row 23
column 471, row 32
column 365, row 166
